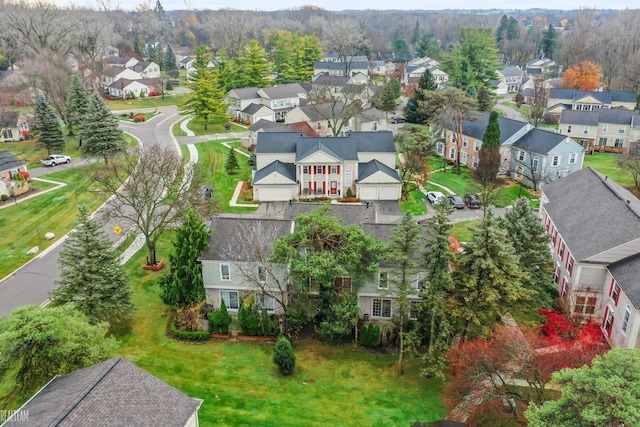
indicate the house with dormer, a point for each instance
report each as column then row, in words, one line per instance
column 279, row 99
column 509, row 80
column 603, row 130
column 147, row 69
column 572, row 99
column 294, row 166
column 596, row 262
column 321, row 116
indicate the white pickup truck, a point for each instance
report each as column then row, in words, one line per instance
column 55, row 159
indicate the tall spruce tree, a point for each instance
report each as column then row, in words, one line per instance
column 531, row 242
column 485, row 103
column 77, row 102
column 47, row 129
column 183, row 285
column 488, row 278
column 412, row 111
column 255, row 68
column 91, row 276
column 170, row 59
column 99, row 131
column 435, row 317
column 489, row 155
column 231, row 166
column 404, row 245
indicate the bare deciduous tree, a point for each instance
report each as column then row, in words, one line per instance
column 346, row 37
column 540, row 97
column 232, row 29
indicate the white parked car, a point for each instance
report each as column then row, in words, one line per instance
column 435, row 197
column 55, row 159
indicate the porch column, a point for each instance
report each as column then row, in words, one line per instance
column 313, row 178
column 326, row 181
column 301, row 189
column 342, row 171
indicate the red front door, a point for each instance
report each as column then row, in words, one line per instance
column 334, row 187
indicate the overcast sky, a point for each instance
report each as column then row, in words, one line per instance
column 369, row 4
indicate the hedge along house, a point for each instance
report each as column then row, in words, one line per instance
column 293, row 166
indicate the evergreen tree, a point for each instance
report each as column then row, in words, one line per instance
column 99, row 131
column 153, row 53
column 170, row 62
column 484, row 101
column 548, row 43
column 415, row 38
column 401, row 51
column 438, row 286
column 309, row 51
column 91, row 276
column 255, row 68
column 427, row 47
column 283, row 356
column 531, row 242
column 227, row 72
column 488, row 278
column 385, row 100
column 47, row 129
column 183, row 285
column 231, row 166
column 404, row 245
column 77, row 102
column 137, row 48
column 489, row 155
column 412, row 111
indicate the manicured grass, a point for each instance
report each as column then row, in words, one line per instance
column 30, row 153
column 125, row 117
column 462, row 230
column 415, row 202
column 216, row 125
column 52, row 212
column 522, row 109
column 212, row 158
column 170, row 98
column 460, row 184
column 240, row 385
column 607, row 164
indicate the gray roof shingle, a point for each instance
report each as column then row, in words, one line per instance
column 475, row 128
column 290, row 90
column 346, row 147
column 114, row 392
column 539, row 141
column 627, row 274
column 579, row 205
column 365, row 170
column 288, row 170
column 9, row 161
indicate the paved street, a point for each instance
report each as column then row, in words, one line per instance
column 32, row 283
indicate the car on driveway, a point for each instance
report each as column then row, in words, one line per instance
column 55, row 159
column 252, row 159
column 397, row 119
column 456, row 201
column 435, row 197
column 472, row 201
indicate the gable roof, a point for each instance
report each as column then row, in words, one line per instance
column 290, row 90
column 245, row 93
column 578, row 203
column 288, row 170
column 475, row 128
column 117, row 60
column 329, row 80
column 602, row 115
column 305, row 150
column 228, row 229
column 143, row 65
column 114, row 71
column 627, row 274
column 540, row 141
column 9, row 161
column 365, row 170
column 254, row 108
column 575, row 95
column 511, row 71
column 9, row 119
column 114, row 392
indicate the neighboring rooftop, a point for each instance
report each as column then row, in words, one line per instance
column 9, row 161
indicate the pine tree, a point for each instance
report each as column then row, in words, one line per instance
column 255, row 68
column 231, row 166
column 412, row 111
column 489, row 155
column 404, row 245
column 77, row 102
column 99, row 131
column 485, row 103
column 531, row 242
column 169, row 59
column 183, row 285
column 283, row 356
column 47, row 129
column 488, row 278
column 91, row 275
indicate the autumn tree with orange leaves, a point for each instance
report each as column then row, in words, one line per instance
column 582, row 76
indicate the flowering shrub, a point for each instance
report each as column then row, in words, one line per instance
column 139, row 118
column 558, row 328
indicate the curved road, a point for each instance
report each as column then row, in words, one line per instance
column 32, row 283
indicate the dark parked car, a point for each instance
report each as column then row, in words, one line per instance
column 456, row 201
column 396, row 119
column 472, row 201
column 252, row 160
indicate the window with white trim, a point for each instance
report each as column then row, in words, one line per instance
column 419, row 285
column 555, row 160
column 465, row 142
column 622, row 129
column 602, row 141
column 305, row 169
column 463, row 157
column 605, row 128
column 625, row 320
column 534, row 164
column 383, row 280
column 521, row 155
column 585, row 131
column 475, row 160
column 225, row 272
column 476, row 146
column 614, row 292
column 230, row 299
column 608, row 322
column 585, row 304
column 414, row 309
column 313, row 285
column 334, row 170
column 572, row 158
column 381, row 307
column 619, row 142
column 267, row 302
column 452, row 153
column 348, row 178
column 262, row 274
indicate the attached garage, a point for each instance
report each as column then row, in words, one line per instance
column 274, row 193
column 379, row 192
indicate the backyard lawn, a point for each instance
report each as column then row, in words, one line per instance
column 196, row 125
column 170, row 98
column 607, row 164
column 415, row 202
column 240, row 385
column 23, row 226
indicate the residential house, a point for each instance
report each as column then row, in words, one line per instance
column 186, row 62
column 255, row 112
column 279, row 99
column 572, row 99
column 320, row 118
column 270, row 126
column 293, row 166
column 112, row 393
column 524, row 150
column 119, row 61
column 340, row 68
column 333, row 56
column 13, row 125
column 181, row 52
column 597, row 263
column 509, row 80
column 126, row 88
column 10, row 168
column 540, row 66
column 147, row 69
column 377, row 68
column 416, row 68
column 113, row 74
column 603, row 130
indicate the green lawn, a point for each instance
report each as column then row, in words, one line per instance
column 415, row 202
column 607, row 164
column 240, row 385
column 460, row 184
column 212, row 157
column 523, row 109
column 54, row 211
column 125, row 117
column 213, row 126
column 462, row 230
column 170, row 98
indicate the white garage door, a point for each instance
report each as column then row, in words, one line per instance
column 389, row 192
column 272, row 194
column 369, row 192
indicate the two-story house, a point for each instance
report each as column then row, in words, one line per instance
column 416, row 68
column 603, row 130
column 119, row 61
column 10, row 169
column 572, row 99
column 597, row 262
column 321, row 116
column 147, row 69
column 293, row 166
column 279, row 100
column 540, row 66
column 509, row 80
column 333, row 68
column 113, row 74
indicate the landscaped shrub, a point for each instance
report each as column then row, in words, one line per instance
column 173, row 331
column 173, row 73
column 168, row 85
column 142, row 95
column 349, row 193
column 249, row 319
column 4, row 197
column 139, row 118
column 265, row 323
column 154, row 93
column 283, row 356
column 370, row 335
column 219, row 320
column 188, row 318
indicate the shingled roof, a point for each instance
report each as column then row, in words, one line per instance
column 112, row 393
column 9, row 161
column 539, row 141
column 627, row 274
